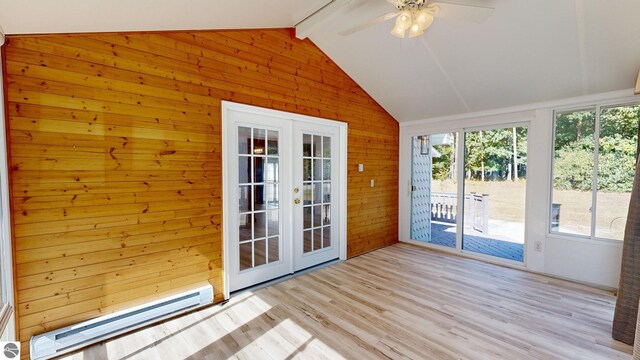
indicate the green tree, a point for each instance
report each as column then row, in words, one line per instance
column 573, row 127
column 620, row 120
column 573, row 165
column 441, row 166
column 492, row 151
column 617, row 148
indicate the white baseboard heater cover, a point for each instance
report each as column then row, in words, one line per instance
column 70, row 338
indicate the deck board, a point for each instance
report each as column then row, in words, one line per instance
column 398, row 302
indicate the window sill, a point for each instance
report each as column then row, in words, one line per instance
column 585, row 239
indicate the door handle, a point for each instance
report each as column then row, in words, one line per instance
column 296, row 201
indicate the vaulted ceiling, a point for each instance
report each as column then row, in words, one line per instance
column 528, row 51
column 67, row 16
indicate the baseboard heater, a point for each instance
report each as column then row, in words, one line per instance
column 74, row 337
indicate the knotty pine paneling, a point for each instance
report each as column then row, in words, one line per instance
column 116, row 178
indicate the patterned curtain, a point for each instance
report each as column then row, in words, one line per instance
column 624, row 321
column 636, row 346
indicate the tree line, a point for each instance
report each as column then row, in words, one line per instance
column 501, row 154
column 575, row 145
column 497, row 154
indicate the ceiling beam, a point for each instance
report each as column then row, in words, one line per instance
column 308, row 24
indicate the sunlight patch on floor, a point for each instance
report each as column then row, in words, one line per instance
column 288, row 340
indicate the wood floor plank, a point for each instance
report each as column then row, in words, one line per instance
column 399, row 302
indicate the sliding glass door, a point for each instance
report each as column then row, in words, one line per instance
column 494, row 192
column 483, row 214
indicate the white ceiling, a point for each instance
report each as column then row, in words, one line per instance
column 528, row 51
column 69, row 16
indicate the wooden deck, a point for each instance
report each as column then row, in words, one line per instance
column 402, row 301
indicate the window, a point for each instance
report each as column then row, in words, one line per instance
column 594, row 164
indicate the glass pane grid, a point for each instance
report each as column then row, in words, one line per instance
column 259, row 175
column 316, row 163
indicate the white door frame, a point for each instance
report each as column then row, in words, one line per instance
column 341, row 200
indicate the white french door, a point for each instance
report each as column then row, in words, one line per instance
column 282, row 191
column 316, row 179
column 260, row 171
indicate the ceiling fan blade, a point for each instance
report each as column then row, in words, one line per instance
column 369, row 23
column 470, row 13
column 393, row 2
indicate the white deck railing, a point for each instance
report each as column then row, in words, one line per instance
column 444, row 209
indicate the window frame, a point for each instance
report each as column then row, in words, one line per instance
column 597, row 107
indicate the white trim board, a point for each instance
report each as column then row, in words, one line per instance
column 341, row 202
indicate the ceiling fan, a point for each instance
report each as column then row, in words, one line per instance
column 417, row 15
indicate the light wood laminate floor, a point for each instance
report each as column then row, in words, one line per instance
column 399, row 302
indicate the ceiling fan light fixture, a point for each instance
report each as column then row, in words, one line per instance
column 424, row 18
column 422, row 12
column 404, row 20
column 414, row 16
column 398, row 31
column 415, row 30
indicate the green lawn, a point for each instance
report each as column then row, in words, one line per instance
column 507, row 199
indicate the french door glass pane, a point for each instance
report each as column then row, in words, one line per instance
column 316, row 164
column 246, row 257
column 259, row 141
column 272, row 170
column 245, row 198
column 258, row 197
column 494, row 192
column 258, row 169
column 573, row 160
column 274, row 249
column 244, row 140
column 260, row 252
column 317, row 169
column 617, row 148
column 434, row 188
column 244, row 169
column 272, row 146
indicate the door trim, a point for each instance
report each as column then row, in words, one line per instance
column 226, row 183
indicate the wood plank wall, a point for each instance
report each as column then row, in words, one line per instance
column 115, row 159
